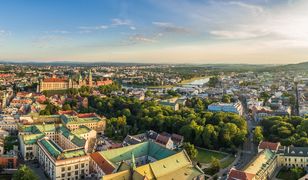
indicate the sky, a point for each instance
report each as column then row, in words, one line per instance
column 155, row 31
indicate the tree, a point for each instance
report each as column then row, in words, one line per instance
column 191, row 150
column 213, row 81
column 199, row 127
column 66, row 107
column 215, row 165
column 258, row 134
column 297, row 172
column 226, row 98
column 264, row 96
column 24, row 173
column 207, row 135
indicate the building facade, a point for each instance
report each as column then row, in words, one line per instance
column 227, row 107
column 55, row 83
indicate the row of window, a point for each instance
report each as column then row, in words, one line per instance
column 286, row 159
column 82, row 165
column 76, row 173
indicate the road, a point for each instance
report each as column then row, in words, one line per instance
column 249, row 149
column 247, row 152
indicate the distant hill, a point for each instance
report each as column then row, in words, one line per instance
column 299, row 66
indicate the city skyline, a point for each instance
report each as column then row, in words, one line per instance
column 148, row 31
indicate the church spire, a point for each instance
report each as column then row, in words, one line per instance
column 90, row 78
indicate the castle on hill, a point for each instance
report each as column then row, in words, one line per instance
column 55, row 83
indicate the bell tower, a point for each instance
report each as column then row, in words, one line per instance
column 90, row 78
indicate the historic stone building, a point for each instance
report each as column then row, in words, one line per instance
column 55, row 83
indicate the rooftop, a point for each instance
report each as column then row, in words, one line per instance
column 79, row 119
column 259, row 162
column 146, row 148
column 269, row 145
column 55, row 151
column 176, row 166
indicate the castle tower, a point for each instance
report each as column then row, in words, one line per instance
column 40, row 85
column 70, row 83
column 4, row 103
column 79, row 81
column 90, row 78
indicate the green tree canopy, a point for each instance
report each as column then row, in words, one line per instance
column 191, row 150
column 24, row 173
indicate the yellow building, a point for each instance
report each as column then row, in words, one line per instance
column 147, row 160
column 270, row 157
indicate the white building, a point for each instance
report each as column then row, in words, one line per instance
column 227, row 107
column 61, row 152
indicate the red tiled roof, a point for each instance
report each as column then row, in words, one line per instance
column 268, row 145
column 23, row 94
column 21, row 101
column 239, row 175
column 162, row 139
column 102, row 163
column 177, row 137
column 6, row 75
column 86, row 115
column 104, row 82
column 55, row 80
column 116, row 145
column 68, row 112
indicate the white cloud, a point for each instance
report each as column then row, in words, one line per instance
column 237, row 34
column 4, row 33
column 89, row 28
column 284, row 24
column 253, row 8
column 169, row 27
column 120, row 22
column 141, row 38
column 114, row 23
column 61, row 32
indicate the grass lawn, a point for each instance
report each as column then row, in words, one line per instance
column 284, row 175
column 227, row 161
column 205, row 156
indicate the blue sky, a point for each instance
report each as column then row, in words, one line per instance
column 163, row 31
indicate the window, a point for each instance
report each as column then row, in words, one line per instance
column 76, row 166
column 63, row 169
column 76, row 172
column 82, row 165
column 63, row 175
column 68, row 174
column 69, row 168
column 29, row 148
